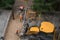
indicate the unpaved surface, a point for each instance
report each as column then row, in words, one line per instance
column 11, row 31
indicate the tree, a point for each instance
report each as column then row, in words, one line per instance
column 6, row 4
column 45, row 5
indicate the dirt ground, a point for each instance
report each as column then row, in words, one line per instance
column 12, row 27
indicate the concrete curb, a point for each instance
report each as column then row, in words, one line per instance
column 6, row 24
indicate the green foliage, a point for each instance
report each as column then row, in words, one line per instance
column 7, row 4
column 44, row 5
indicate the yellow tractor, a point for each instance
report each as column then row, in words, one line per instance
column 35, row 29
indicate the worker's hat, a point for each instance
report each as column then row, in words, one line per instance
column 21, row 7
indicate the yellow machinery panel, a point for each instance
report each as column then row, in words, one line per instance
column 47, row 27
column 33, row 30
column 36, row 29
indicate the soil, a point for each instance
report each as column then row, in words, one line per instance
column 11, row 30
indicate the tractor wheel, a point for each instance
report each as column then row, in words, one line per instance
column 34, row 38
column 24, row 39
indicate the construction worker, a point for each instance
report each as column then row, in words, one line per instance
column 16, row 31
column 21, row 8
column 21, row 17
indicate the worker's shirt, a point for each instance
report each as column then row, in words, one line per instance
column 20, row 16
